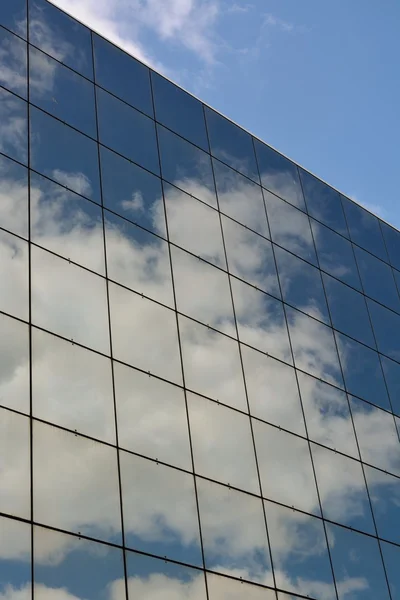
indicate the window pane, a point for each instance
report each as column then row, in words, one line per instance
column 160, row 514
column 348, row 311
column 13, row 73
column 392, row 242
column 64, row 155
column 75, row 483
column 179, row 111
column 132, row 192
column 279, row 174
column 335, row 255
column 59, row 35
column 15, row 557
column 323, row 202
column 83, row 569
column 14, row 364
column 122, row 75
column 61, row 92
column 15, row 464
column 301, row 285
column 138, row 259
column 69, row 301
column 327, row 415
column 13, row 16
column 272, row 390
column 72, row 387
column 194, row 226
column 152, row 417
column 223, row 587
column 391, row 557
column 231, row 144
column 386, row 326
column 212, row 364
column 261, row 320
column 215, row 431
column 364, row 228
column 391, row 372
column 144, row 334
column 377, row 279
column 13, row 126
column 127, row 131
column 240, row 198
column 186, row 166
column 13, row 197
column 234, row 533
column 290, row 228
column 67, row 224
column 14, row 297
column 385, row 497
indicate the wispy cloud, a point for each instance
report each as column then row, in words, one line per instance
column 271, row 20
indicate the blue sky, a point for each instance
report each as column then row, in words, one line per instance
column 318, row 81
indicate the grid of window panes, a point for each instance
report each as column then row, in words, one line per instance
column 200, row 358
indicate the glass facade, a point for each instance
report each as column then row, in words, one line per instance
column 200, row 357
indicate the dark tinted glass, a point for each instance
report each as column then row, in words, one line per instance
column 386, row 326
column 186, row 166
column 132, row 192
column 391, row 371
column 364, row 228
column 14, row 197
column 13, row 16
column 279, row 175
column 323, row 202
column 348, row 311
column 179, row 111
column 232, row 145
column 13, row 73
column 122, row 75
column 377, row 279
column 59, row 35
column 127, row 131
column 13, row 126
column 65, row 155
column 392, row 241
column 61, row 92
column 335, row 255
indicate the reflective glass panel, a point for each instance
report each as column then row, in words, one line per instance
column 215, row 431
column 392, row 242
column 301, row 285
column 186, row 166
column 327, row 415
column 223, row 587
column 335, row 255
column 194, row 226
column 13, row 197
column 250, row 256
column 240, row 198
column 132, row 192
column 127, row 131
column 323, row 202
column 391, row 371
column 212, row 364
column 160, row 514
column 14, row 464
column 234, row 534
column 362, row 371
column 75, row 483
column 285, row 468
column 152, row 417
column 69, row 301
column 61, row 92
column 14, row 261
column 149, row 342
column 377, row 279
column 279, row 174
column 14, row 364
column 231, row 144
column 386, row 325
column 71, row 567
column 364, row 228
column 13, row 16
column 13, row 126
column 179, row 111
column 260, row 320
column 72, row 387
column 357, row 564
column 122, row 75
column 15, row 559
column 385, row 497
column 290, row 228
column 391, row 557
column 64, row 155
column 348, row 311
column 13, row 74
column 272, row 390
column 66, row 223
column 138, row 259
column 59, row 35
